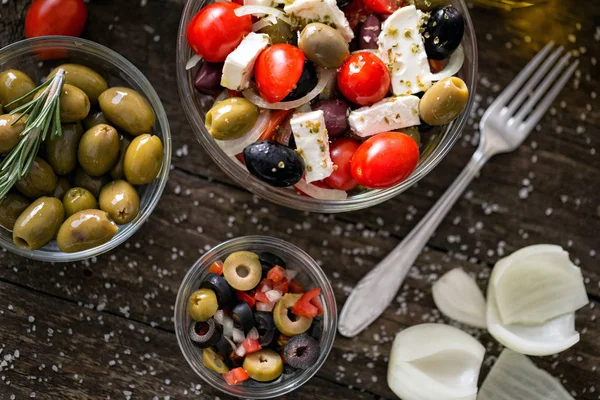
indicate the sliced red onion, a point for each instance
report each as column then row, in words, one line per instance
column 274, row 295
column 325, row 75
column 264, row 22
column 253, row 334
column 267, row 307
column 236, row 146
column 454, row 65
column 262, row 10
column 227, row 327
column 238, row 335
column 320, row 193
column 240, row 351
column 193, row 62
column 219, row 316
column 290, row 274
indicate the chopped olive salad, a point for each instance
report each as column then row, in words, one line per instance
column 328, row 97
column 253, row 320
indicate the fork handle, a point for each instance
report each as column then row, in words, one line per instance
column 377, row 289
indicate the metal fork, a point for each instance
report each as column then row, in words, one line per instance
column 504, row 126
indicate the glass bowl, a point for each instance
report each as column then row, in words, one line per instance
column 310, row 275
column 432, row 152
column 24, row 55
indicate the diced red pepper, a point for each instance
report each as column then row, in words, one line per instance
column 282, row 286
column 202, row 329
column 217, row 268
column 264, row 286
column 276, row 274
column 304, row 306
column 246, row 297
column 296, row 287
column 235, row 376
column 251, row 345
column 261, row 297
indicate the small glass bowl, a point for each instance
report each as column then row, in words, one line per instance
column 24, row 55
column 309, row 275
column 437, row 145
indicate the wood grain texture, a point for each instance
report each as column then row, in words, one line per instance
column 103, row 328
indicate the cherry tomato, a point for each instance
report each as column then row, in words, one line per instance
column 55, row 17
column 216, row 31
column 363, row 78
column 385, row 160
column 277, row 70
column 385, row 7
column 341, row 152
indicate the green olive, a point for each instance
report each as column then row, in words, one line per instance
column 85, row 230
column 242, row 270
column 264, row 365
column 86, row 79
column 10, row 134
column 127, row 109
column 323, row 45
column 213, row 361
column 93, row 119
column 62, row 187
column 280, row 32
column 1, row 109
column 78, row 199
column 118, row 171
column 202, row 305
column 61, row 151
column 231, row 118
column 143, row 159
column 38, row 224
column 74, row 104
column 120, row 201
column 39, row 181
column 283, row 322
column 98, row 150
column 11, row 206
column 444, row 101
column 93, row 184
column 14, row 84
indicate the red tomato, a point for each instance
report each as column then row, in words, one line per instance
column 296, row 287
column 283, row 286
column 216, row 31
column 251, row 345
column 276, row 274
column 276, row 119
column 236, row 375
column 385, row 7
column 363, row 78
column 315, row 301
column 385, row 160
column 217, row 268
column 55, row 17
column 261, row 297
column 247, row 298
column 277, row 70
column 356, row 12
column 304, row 306
column 341, row 152
column 264, row 286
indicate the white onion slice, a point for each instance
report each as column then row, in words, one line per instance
column 219, row 317
column 458, row 297
column 320, row 193
column 274, row 295
column 236, row 146
column 262, row 10
column 434, row 361
column 290, row 274
column 325, row 75
column 263, row 23
column 536, row 284
column 192, row 62
column 253, row 333
column 227, row 327
column 238, row 335
column 240, row 351
column 515, row 376
column 454, row 65
column 267, row 307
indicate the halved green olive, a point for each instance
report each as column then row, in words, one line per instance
column 202, row 305
column 242, row 270
column 264, row 365
column 213, row 361
column 282, row 320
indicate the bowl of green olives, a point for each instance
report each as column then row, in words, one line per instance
column 100, row 170
column 255, row 317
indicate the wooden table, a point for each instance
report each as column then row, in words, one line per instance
column 103, row 328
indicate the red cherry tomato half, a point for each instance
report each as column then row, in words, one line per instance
column 385, row 160
column 363, row 78
column 385, row 7
column 341, row 152
column 216, row 31
column 55, row 17
column 277, row 70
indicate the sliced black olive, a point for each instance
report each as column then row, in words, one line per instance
column 316, row 329
column 223, row 347
column 270, row 259
column 343, row 3
column 301, row 351
column 443, row 33
column 274, row 163
column 218, row 284
column 306, row 83
column 242, row 316
column 423, row 127
column 210, row 337
column 288, row 369
column 266, row 327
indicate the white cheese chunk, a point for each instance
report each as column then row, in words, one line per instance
column 401, row 48
column 239, row 64
column 386, row 115
column 312, row 143
column 325, row 11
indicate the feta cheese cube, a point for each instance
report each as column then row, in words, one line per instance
column 312, row 143
column 386, row 115
column 325, row 11
column 401, row 48
column 239, row 64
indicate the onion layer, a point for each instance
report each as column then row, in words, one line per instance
column 320, row 193
column 454, row 65
column 236, row 146
column 192, row 62
column 262, row 10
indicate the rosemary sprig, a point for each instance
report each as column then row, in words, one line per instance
column 42, row 115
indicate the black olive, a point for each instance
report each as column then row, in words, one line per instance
column 316, row 329
column 270, row 259
column 207, row 339
column 288, row 369
column 443, row 33
column 242, row 317
column 218, row 284
column 306, row 83
column 223, row 347
column 423, row 127
column 343, row 3
column 274, row 163
column 208, row 78
column 266, row 327
column 301, row 351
